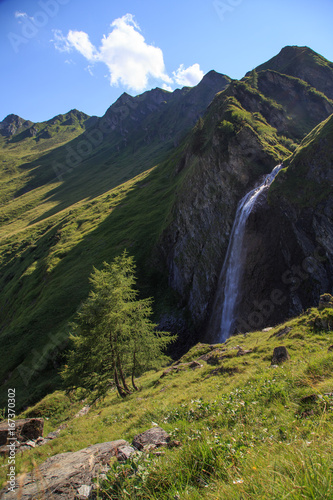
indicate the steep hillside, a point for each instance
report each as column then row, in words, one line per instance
column 23, row 144
column 249, row 128
column 76, row 191
column 305, row 64
column 290, row 238
column 67, row 215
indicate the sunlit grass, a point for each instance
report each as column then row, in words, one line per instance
column 245, row 434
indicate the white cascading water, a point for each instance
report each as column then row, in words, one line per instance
column 232, row 270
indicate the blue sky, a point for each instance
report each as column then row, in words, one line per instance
column 62, row 54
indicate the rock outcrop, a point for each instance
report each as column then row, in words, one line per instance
column 155, row 436
column 69, row 476
column 62, row 476
column 24, row 430
column 280, row 355
column 325, row 301
column 226, row 158
column 13, row 124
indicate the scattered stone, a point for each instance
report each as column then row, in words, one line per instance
column 61, row 476
column 156, row 436
column 178, row 367
column 174, row 444
column 42, row 441
column 325, row 300
column 280, row 355
column 169, row 370
column 53, row 434
column 213, row 357
column 221, row 370
column 274, row 366
column 243, row 352
column 84, row 491
column 282, row 332
column 82, row 412
column 25, row 429
column 312, row 398
column 31, row 444
column 195, row 364
column 123, row 453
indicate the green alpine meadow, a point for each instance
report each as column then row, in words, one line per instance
column 166, row 282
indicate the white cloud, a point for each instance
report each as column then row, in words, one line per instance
column 80, row 41
column 167, row 87
column 130, row 60
column 89, row 69
column 19, row 14
column 60, row 41
column 188, row 76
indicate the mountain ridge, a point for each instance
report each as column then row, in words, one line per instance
column 164, row 184
column 301, row 62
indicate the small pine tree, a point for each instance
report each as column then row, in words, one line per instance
column 113, row 336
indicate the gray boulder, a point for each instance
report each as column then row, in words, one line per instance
column 155, row 436
column 26, row 429
column 66, row 476
column 280, row 355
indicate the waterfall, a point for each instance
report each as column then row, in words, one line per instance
column 233, row 267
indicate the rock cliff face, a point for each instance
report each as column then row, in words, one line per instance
column 194, row 244
column 246, row 132
column 160, row 115
column 290, row 238
column 303, row 63
column 13, row 124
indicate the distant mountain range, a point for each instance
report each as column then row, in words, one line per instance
column 161, row 174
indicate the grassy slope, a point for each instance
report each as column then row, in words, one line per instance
column 47, row 264
column 244, row 429
column 304, row 63
column 54, row 231
column 307, row 178
column 53, row 235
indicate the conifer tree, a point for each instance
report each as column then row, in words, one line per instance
column 113, row 336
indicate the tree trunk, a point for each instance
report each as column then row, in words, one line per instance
column 125, row 386
column 120, row 390
column 133, row 371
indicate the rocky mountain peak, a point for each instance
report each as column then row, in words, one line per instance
column 13, row 124
column 303, row 63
